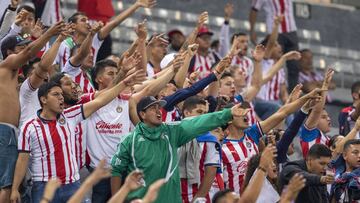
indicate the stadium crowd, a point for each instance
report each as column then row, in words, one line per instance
column 175, row 118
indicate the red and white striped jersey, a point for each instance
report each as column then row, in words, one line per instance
column 203, row 64
column 271, row 90
column 29, row 102
column 309, row 137
column 51, row 144
column 67, row 45
column 252, row 114
column 51, row 13
column 246, row 65
column 106, row 128
column 79, row 77
column 275, row 8
column 209, row 157
column 170, row 116
column 235, row 157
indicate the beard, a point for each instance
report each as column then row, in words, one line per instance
column 70, row 101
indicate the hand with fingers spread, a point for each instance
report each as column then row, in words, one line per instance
column 295, row 93
column 292, row 55
column 141, row 30
column 56, row 29
column 203, row 18
column 136, row 78
column 192, row 49
column 158, row 38
column 38, row 29
column 235, row 48
column 146, row 3
column 258, row 53
column 268, row 156
column 239, row 111
column 66, row 33
column 21, row 16
column 153, row 191
column 228, row 10
column 134, row 180
column 314, row 94
column 96, row 27
column 50, row 189
column 296, row 184
column 310, row 104
column 327, row 80
column 222, row 65
column 130, row 62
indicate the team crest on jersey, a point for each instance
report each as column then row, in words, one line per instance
column 248, row 144
column 119, row 109
column 62, row 121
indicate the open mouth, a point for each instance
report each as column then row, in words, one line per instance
column 158, row 116
column 61, row 105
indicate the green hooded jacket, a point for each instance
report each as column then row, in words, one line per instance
column 153, row 148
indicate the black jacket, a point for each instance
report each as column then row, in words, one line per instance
column 314, row 191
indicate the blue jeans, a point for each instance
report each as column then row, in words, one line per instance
column 62, row 194
column 8, row 155
column 102, row 191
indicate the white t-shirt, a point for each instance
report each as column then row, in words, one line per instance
column 106, row 128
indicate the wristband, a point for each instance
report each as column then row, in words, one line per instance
column 262, row 169
column 11, row 8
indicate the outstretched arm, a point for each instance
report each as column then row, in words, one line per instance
column 273, row 36
column 351, row 135
column 15, row 61
column 315, row 115
column 191, row 38
column 104, row 32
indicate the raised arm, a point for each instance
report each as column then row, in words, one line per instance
column 253, row 190
column 273, row 36
column 291, row 55
column 315, row 114
column 252, row 21
column 225, row 30
column 256, row 79
column 141, row 31
column 191, row 38
column 105, row 31
column 351, row 135
column 85, row 46
column 183, row 70
column 108, row 95
column 15, row 61
column 288, row 109
column 41, row 71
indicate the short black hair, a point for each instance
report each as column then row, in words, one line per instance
column 237, row 35
column 45, row 88
column 351, row 142
column 226, row 74
column 332, row 141
column 191, row 102
column 26, row 8
column 73, row 17
column 304, row 50
column 265, row 40
column 355, row 87
column 29, row 67
column 222, row 193
column 99, row 68
column 57, row 77
column 214, row 43
column 319, row 150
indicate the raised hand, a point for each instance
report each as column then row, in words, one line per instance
column 315, row 94
column 146, row 3
column 296, row 183
column 327, row 80
column 15, row 3
column 295, row 93
column 134, row 180
column 141, row 30
column 153, row 191
column 69, row 29
column 192, row 49
column 21, row 16
column 238, row 111
column 267, row 156
column 130, row 62
column 136, row 78
column 96, row 27
column 258, row 53
column 100, row 172
column 228, row 10
column 56, row 29
column 160, row 39
column 38, row 29
column 178, row 62
column 222, row 65
column 278, row 19
column 292, row 55
column 203, row 18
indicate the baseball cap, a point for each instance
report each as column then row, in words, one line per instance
column 146, row 102
column 204, row 30
column 174, row 31
column 11, row 42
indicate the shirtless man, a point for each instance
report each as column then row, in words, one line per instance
column 17, row 52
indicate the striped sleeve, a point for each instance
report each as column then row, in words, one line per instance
column 72, row 70
column 24, row 139
column 75, row 114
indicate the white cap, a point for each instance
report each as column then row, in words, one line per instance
column 166, row 60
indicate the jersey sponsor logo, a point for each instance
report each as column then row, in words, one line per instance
column 241, row 168
column 104, row 127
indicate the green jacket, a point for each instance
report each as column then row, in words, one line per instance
column 152, row 152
